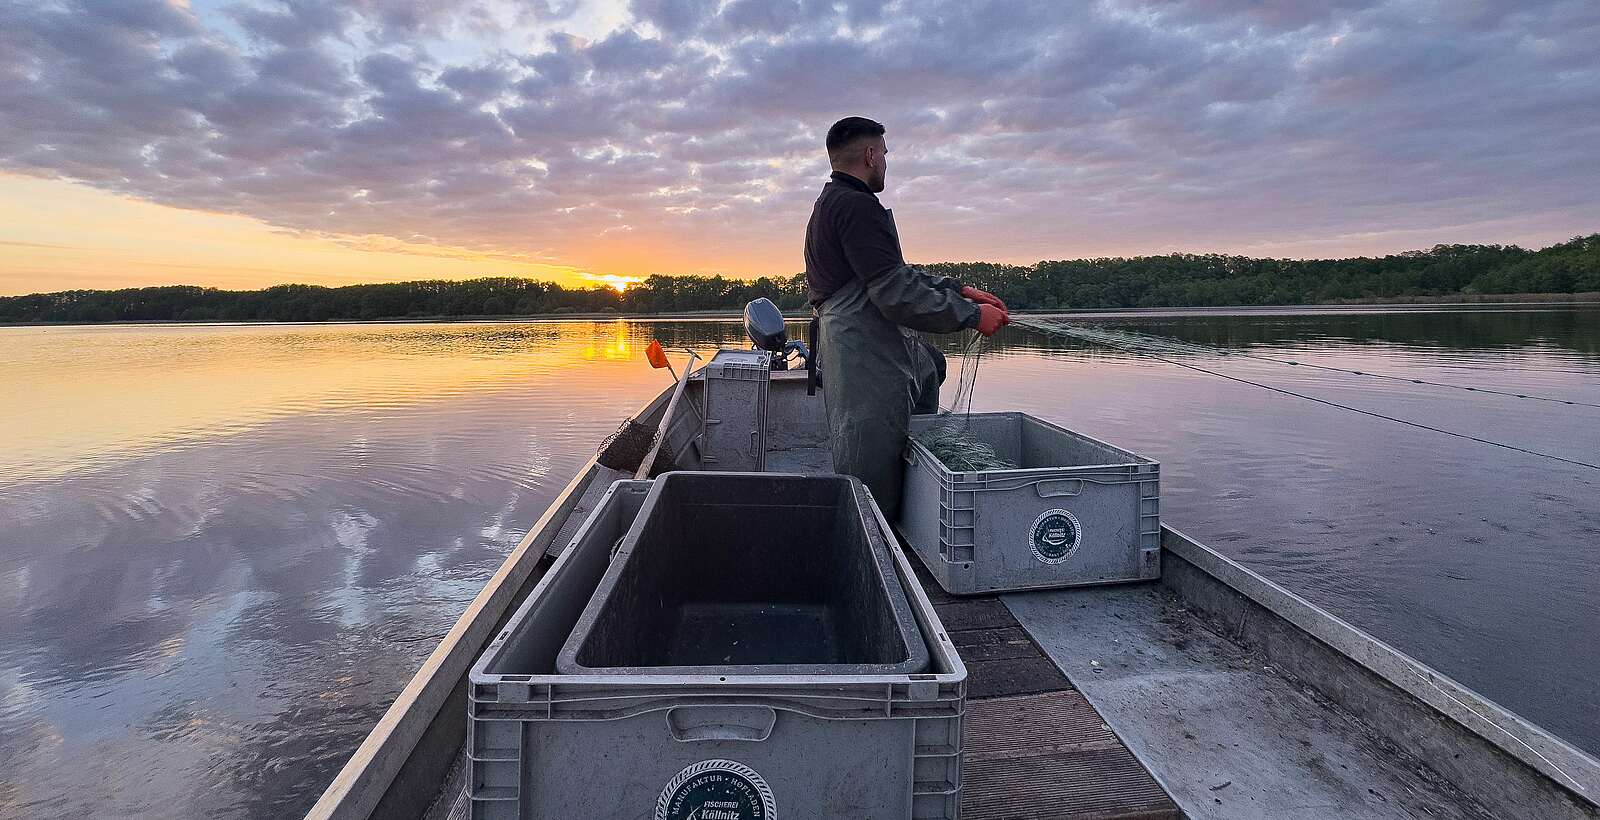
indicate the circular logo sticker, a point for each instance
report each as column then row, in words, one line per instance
column 716, row 790
column 1055, row 536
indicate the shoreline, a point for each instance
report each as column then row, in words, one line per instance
column 1453, row 300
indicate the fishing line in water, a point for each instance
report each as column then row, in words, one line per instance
column 1467, row 388
column 1059, row 330
column 1109, row 337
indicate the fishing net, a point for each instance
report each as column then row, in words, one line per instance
column 967, row 383
column 664, row 463
column 952, row 441
column 961, row 452
column 627, row 447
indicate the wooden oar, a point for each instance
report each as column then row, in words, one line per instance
column 666, row 419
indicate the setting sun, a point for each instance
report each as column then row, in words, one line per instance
column 620, row 283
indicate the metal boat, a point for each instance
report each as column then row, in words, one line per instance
column 1211, row 693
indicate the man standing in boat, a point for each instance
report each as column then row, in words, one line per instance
column 871, row 306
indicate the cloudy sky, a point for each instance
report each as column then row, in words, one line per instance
column 247, row 142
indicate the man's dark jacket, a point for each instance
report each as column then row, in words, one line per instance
column 852, row 236
column 870, row 303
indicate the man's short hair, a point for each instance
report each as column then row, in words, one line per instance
column 848, row 131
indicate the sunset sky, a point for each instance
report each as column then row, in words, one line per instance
column 242, row 143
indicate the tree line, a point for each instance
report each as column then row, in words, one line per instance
column 1173, row 280
column 493, row 296
column 1200, row 280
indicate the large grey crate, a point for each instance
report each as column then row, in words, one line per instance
column 806, row 747
column 1074, row 511
column 749, row 574
column 733, row 431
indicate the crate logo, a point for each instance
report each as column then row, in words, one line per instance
column 717, row 790
column 1055, row 536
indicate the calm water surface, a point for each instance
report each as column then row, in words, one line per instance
column 223, row 550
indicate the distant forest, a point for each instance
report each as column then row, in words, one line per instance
column 1143, row 281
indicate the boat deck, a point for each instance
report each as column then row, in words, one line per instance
column 1211, row 693
column 1034, row 748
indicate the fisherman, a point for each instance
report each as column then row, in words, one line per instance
column 870, row 306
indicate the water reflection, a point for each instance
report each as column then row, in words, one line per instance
column 210, row 599
column 95, row 393
column 223, row 550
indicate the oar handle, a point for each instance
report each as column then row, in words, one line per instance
column 666, row 419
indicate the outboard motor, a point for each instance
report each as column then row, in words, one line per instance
column 763, row 323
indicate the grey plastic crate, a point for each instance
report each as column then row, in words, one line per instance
column 803, row 747
column 1075, row 511
column 750, row 574
column 733, row 432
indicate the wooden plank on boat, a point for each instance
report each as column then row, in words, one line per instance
column 974, row 613
column 1051, row 757
column 1001, row 658
column 1034, row 749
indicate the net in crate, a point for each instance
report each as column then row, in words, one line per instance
column 1073, row 511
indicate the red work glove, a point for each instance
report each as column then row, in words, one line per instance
column 982, row 297
column 991, row 319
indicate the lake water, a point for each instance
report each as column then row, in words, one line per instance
column 224, row 549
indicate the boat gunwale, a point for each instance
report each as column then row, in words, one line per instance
column 1576, row 772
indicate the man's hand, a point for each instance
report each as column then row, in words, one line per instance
column 982, row 297
column 991, row 319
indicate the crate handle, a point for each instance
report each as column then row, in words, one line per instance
column 721, row 722
column 1051, row 488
